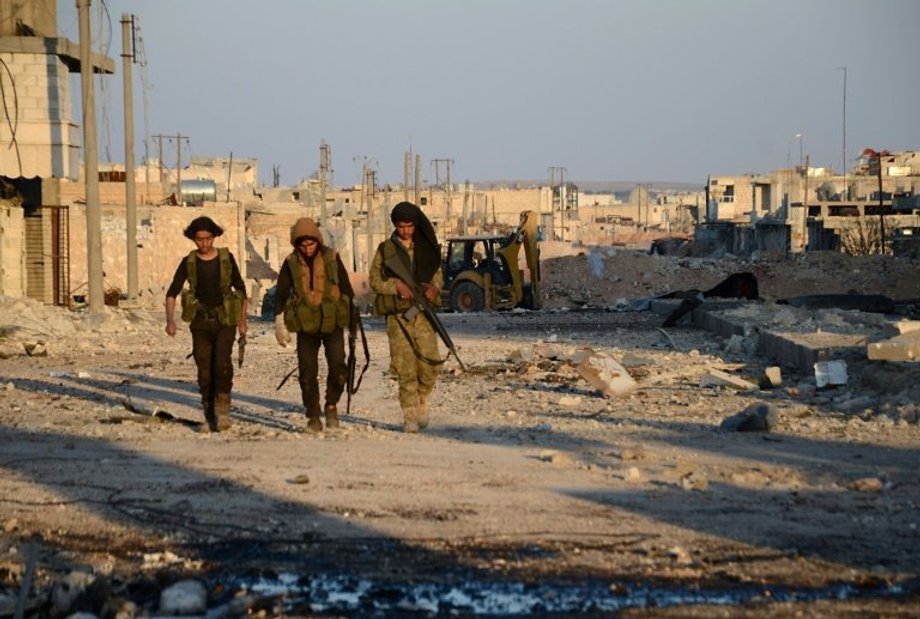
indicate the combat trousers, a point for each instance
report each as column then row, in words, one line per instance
column 308, row 368
column 416, row 377
column 212, row 345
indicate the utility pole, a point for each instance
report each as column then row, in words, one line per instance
column 368, row 193
column 95, row 289
column 323, row 176
column 466, row 207
column 418, row 179
column 127, row 56
column 805, row 204
column 846, row 190
column 407, row 158
column 160, row 154
column 179, row 137
column 448, row 229
column 558, row 205
column 881, row 204
column 229, row 175
column 179, row 168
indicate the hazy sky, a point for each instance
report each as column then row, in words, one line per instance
column 650, row 90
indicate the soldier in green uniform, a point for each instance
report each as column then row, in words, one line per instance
column 413, row 342
column 215, row 306
column 314, row 299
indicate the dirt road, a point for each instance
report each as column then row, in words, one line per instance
column 530, row 493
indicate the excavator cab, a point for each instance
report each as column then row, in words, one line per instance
column 483, row 272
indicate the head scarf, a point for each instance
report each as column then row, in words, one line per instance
column 202, row 223
column 427, row 251
column 305, row 227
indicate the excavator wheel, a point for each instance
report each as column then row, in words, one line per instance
column 467, row 297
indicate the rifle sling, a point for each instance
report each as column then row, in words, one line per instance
column 415, row 349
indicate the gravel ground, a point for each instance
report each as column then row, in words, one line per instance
column 530, row 486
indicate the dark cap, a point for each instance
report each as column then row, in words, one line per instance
column 202, row 223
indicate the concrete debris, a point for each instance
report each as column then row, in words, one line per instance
column 771, row 378
column 570, row 401
column 606, row 374
column 905, row 347
column 187, row 597
column 755, row 418
column 694, row 481
column 718, row 378
column 867, row 484
column 633, row 475
column 830, row 373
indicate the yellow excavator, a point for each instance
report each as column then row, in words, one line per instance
column 482, row 272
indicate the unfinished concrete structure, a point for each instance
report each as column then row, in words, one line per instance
column 810, row 208
column 41, row 146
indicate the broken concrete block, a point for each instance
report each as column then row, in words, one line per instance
column 755, row 418
column 772, row 378
column 904, row 347
column 830, row 373
column 718, row 378
column 606, row 374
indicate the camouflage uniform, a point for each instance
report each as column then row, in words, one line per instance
column 416, row 377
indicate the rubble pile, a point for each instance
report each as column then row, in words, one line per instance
column 600, row 276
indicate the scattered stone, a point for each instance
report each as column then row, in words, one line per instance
column 300, row 479
column 830, row 373
column 759, row 417
column 605, row 374
column 186, row 597
column 555, row 457
column 633, row 475
column 772, row 378
column 633, row 453
column 856, row 404
column 36, row 349
column 694, row 481
column 904, row 347
column 867, row 484
column 570, row 401
column 718, row 378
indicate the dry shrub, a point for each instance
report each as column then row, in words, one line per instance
column 864, row 238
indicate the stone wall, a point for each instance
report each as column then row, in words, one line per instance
column 160, row 243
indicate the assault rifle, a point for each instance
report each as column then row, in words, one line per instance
column 355, row 381
column 421, row 305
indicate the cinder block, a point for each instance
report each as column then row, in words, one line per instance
column 900, row 348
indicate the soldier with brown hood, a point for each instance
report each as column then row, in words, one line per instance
column 214, row 305
column 413, row 342
column 314, row 299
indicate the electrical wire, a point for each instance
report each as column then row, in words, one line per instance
column 11, row 120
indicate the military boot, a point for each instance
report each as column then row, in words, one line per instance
column 332, row 416
column 207, row 406
column 222, row 411
column 410, row 423
column 314, row 424
column 421, row 414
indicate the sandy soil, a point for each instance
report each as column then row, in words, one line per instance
column 531, row 492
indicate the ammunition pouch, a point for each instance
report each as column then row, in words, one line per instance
column 230, row 312
column 189, row 305
column 322, row 318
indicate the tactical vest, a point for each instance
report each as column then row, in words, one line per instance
column 230, row 311
column 333, row 309
column 386, row 304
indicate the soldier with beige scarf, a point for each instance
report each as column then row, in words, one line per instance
column 314, row 300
